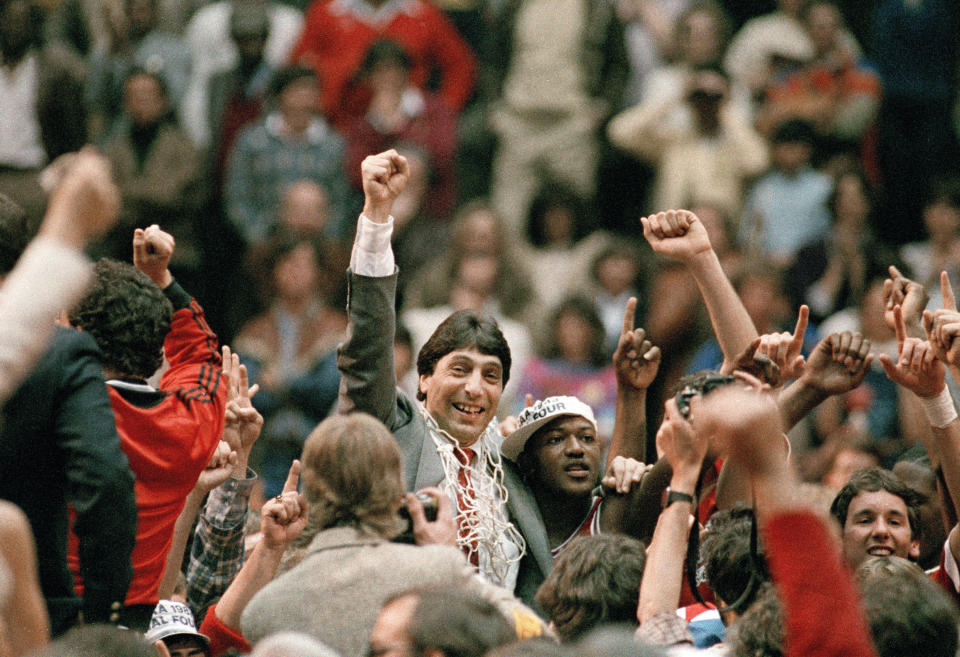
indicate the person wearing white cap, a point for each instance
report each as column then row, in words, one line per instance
column 172, row 622
column 558, row 450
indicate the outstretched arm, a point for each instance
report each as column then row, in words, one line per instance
column 680, row 235
column 365, row 358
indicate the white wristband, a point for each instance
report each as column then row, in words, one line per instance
column 940, row 409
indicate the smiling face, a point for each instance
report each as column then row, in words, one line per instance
column 877, row 525
column 564, row 456
column 462, row 392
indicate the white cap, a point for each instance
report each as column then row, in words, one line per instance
column 172, row 618
column 534, row 417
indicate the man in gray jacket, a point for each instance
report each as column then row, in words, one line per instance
column 450, row 438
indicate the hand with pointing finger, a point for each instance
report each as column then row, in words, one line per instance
column 283, row 518
column 784, row 349
column 898, row 290
column 636, row 359
column 917, row 368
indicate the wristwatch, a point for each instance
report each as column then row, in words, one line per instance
column 672, row 496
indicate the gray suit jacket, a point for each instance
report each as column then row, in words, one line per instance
column 336, row 592
column 368, row 384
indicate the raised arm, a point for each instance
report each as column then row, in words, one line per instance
column 631, row 506
column 680, row 235
column 686, row 449
column 365, row 358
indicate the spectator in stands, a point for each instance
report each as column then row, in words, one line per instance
column 708, row 159
column 401, row 114
column 41, row 117
column 159, row 172
column 557, row 74
column 787, row 206
column 835, row 91
column 137, row 42
column 238, row 94
column 338, row 33
column 212, row 50
column 289, row 350
column 941, row 250
column 293, row 142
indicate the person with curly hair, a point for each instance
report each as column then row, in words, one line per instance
column 137, row 315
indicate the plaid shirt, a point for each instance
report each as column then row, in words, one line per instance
column 216, row 555
column 665, row 629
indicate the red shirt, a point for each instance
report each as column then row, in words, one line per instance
column 337, row 34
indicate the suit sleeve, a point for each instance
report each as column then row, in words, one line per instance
column 99, row 481
column 365, row 359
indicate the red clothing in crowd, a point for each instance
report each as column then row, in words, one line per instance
column 821, row 606
column 168, row 436
column 337, row 34
column 222, row 638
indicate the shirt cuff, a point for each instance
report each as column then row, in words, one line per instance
column 372, row 255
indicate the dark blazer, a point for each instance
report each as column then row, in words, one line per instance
column 368, row 384
column 59, row 445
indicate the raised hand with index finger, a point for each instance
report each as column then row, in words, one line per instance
column 636, row 359
column 283, row 518
column 917, row 368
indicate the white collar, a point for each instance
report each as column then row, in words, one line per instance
column 315, row 133
column 371, row 15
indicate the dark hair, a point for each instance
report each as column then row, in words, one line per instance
column 793, row 131
column 596, row 580
column 128, row 316
column 584, row 308
column 385, row 50
column 553, row 195
column 462, row 330
column 287, row 76
column 727, row 559
column 266, row 256
column 944, row 189
column 759, row 632
column 717, row 12
column 15, row 233
column 875, row 479
column 870, row 191
column 909, row 615
column 457, row 622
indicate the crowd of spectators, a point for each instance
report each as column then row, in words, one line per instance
column 430, row 232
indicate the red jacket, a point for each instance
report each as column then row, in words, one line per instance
column 168, row 436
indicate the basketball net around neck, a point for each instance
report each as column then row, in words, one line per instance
column 484, row 529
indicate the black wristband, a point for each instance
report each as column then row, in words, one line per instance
column 677, row 496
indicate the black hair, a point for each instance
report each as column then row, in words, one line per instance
column 128, row 316
column 462, row 330
column 15, row 233
column 385, row 50
column 871, row 480
column 945, row 189
column 581, row 306
column 793, row 131
column 759, row 632
column 553, row 195
column 596, row 580
column 287, row 76
column 728, row 560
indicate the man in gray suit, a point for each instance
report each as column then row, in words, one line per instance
column 449, row 439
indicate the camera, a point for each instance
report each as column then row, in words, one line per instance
column 701, row 385
column 429, row 510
